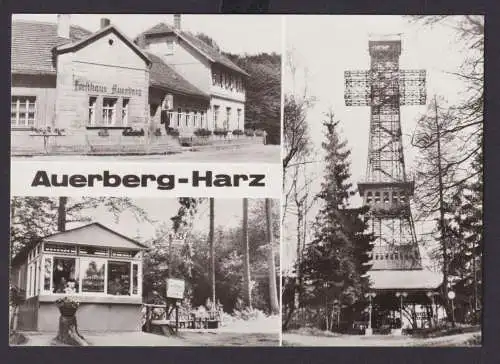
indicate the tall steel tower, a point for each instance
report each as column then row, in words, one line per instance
column 387, row 189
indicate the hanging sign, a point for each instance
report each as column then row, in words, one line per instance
column 175, row 288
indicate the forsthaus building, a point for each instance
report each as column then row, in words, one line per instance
column 76, row 91
column 99, row 267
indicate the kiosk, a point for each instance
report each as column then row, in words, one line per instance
column 93, row 264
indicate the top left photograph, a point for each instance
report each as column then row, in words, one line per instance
column 179, row 88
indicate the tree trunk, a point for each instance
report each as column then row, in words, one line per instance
column 273, row 291
column 212, row 253
column 247, row 294
column 68, row 332
column 61, row 214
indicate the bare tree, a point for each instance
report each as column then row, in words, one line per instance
column 247, row 289
column 273, row 293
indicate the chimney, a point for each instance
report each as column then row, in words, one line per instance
column 105, row 22
column 63, row 25
column 177, row 21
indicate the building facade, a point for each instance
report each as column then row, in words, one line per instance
column 205, row 67
column 99, row 267
column 73, row 90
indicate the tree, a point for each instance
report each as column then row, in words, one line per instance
column 273, row 293
column 263, row 92
column 36, row 217
column 247, row 283
column 212, row 251
column 335, row 262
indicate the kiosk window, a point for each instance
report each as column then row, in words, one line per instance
column 135, row 280
column 109, row 111
column 22, row 111
column 119, row 278
column 93, row 271
column 64, row 276
column 47, row 269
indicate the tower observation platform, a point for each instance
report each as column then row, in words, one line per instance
column 387, row 189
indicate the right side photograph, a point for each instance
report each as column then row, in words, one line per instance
column 382, row 206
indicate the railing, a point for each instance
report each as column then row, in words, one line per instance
column 182, row 120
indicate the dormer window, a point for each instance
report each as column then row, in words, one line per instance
column 170, row 47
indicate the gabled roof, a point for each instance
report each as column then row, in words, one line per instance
column 206, row 50
column 94, row 234
column 404, row 279
column 165, row 77
column 32, row 44
column 80, row 43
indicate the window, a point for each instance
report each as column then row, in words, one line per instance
column 377, row 197
column 92, row 108
column 395, row 197
column 108, row 111
column 122, row 254
column 125, row 103
column 64, row 275
column 215, row 77
column 402, row 197
column 202, row 117
column 216, row 115
column 93, row 251
column 93, row 275
column 22, row 111
column 369, row 196
column 228, row 117
column 188, row 117
column 179, row 114
column 119, row 278
column 386, row 197
column 238, row 112
column 54, row 248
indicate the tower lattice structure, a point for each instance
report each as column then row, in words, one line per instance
column 387, row 189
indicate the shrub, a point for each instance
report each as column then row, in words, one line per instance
column 249, row 132
column 104, row 132
column 173, row 132
column 202, row 132
column 131, row 132
column 220, row 132
column 260, row 133
column 238, row 132
column 157, row 132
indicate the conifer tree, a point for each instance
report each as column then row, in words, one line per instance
column 335, row 263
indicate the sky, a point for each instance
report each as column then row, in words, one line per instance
column 228, row 214
column 237, row 34
column 323, row 47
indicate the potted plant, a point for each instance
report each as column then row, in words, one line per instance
column 68, row 328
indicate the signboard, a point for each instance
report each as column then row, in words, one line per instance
column 175, row 288
column 95, row 87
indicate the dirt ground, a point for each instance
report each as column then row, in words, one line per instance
column 194, row 338
column 291, row 339
column 253, row 153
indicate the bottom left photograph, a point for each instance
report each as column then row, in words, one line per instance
column 117, row 271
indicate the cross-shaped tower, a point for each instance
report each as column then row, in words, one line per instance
column 387, row 189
